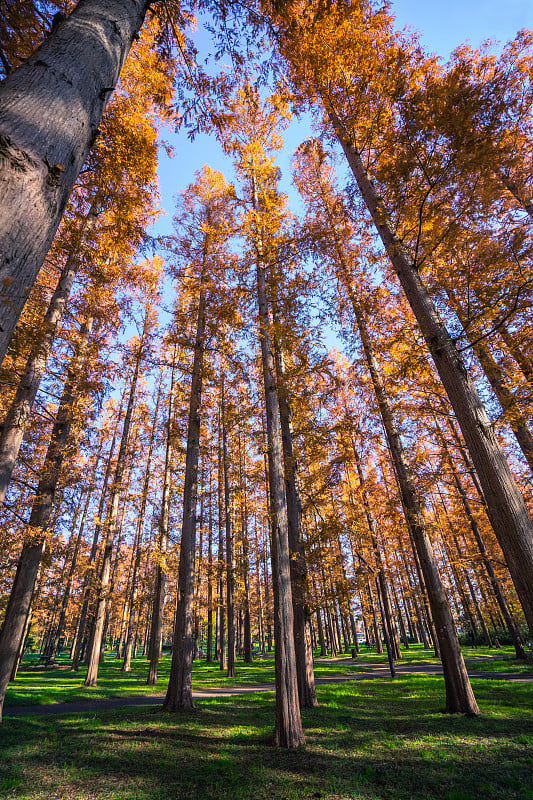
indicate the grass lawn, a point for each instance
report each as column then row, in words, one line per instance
column 369, row 740
column 36, row 685
column 41, row 686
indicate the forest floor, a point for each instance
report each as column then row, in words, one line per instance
column 367, row 740
column 37, row 685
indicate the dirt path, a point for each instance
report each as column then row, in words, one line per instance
column 372, row 672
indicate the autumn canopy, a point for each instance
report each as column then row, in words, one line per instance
column 186, row 463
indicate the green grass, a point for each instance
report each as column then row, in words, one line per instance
column 42, row 686
column 370, row 740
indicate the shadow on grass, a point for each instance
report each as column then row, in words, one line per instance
column 371, row 741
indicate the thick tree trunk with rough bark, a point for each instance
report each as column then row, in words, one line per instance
column 179, row 691
column 50, row 110
column 495, row 376
column 288, row 731
column 300, row 590
column 510, row 622
column 505, row 505
column 33, row 550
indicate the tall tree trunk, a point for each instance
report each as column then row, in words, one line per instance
column 126, row 666
column 197, row 598
column 423, row 612
column 25, row 632
column 505, row 504
column 209, row 648
column 403, row 629
column 259, row 591
column 19, row 413
column 298, row 565
column 230, row 561
column 50, row 110
column 221, row 613
column 131, row 602
column 33, row 550
column 510, row 622
column 88, row 580
column 179, row 691
column 116, row 489
column 72, row 570
column 247, row 626
column 111, row 587
column 61, row 581
column 459, row 694
column 464, row 570
column 380, row 577
column 156, row 628
column 288, row 730
column 512, row 413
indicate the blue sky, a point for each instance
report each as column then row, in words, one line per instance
column 444, row 25
column 441, row 25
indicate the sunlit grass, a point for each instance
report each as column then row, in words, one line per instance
column 368, row 740
column 39, row 686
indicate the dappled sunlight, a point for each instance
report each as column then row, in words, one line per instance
column 363, row 741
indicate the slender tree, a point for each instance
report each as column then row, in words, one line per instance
column 204, row 233
column 33, row 550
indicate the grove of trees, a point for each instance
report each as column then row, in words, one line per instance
column 184, row 461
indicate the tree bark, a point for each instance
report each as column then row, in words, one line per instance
column 87, row 583
column 495, row 376
column 179, row 691
column 385, row 600
column 505, row 504
column 230, row 561
column 50, row 110
column 198, row 578
column 288, row 730
column 160, row 582
column 510, row 622
column 19, row 413
column 209, row 648
column 72, row 570
column 459, row 695
column 34, row 547
column 245, row 544
column 298, row 565
column 105, row 570
column 221, row 610
column 126, row 666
